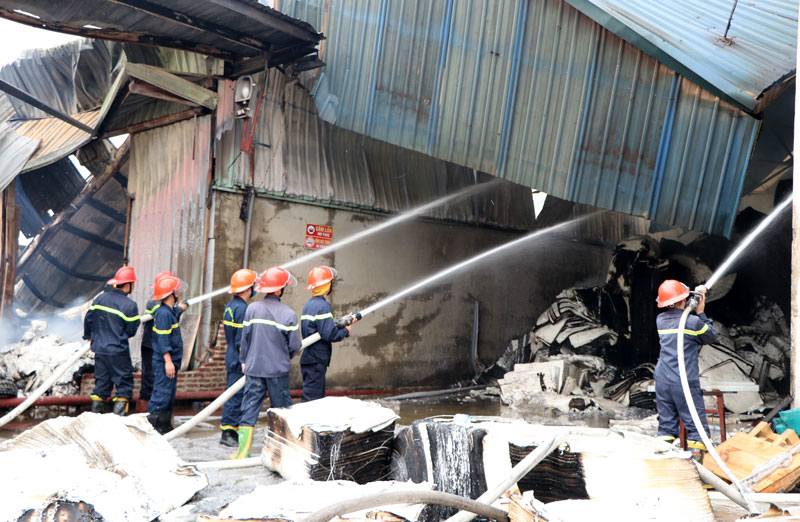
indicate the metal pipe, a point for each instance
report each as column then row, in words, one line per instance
column 227, row 464
column 205, row 328
column 248, row 226
column 434, row 393
column 407, row 497
column 30, row 100
column 476, row 314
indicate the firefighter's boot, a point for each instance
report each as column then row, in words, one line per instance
column 229, row 438
column 160, row 421
column 698, row 450
column 121, row 407
column 245, row 439
column 97, row 404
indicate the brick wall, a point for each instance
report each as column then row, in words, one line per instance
column 209, row 375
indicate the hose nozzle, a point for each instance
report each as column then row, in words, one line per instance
column 347, row 320
column 693, row 300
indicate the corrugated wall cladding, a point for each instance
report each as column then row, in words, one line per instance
column 298, row 155
column 169, row 178
column 537, row 93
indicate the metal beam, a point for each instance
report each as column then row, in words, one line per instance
column 272, row 21
column 30, row 100
column 172, row 84
column 158, row 122
column 192, row 22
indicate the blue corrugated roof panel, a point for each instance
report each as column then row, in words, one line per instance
column 535, row 92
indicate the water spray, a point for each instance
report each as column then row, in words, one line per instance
column 691, row 304
column 351, row 318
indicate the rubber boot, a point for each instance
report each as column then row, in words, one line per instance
column 141, row 406
column 698, row 450
column 229, row 438
column 153, row 417
column 121, row 407
column 97, row 404
column 245, row 439
column 160, row 421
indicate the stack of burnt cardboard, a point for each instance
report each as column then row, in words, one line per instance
column 328, row 439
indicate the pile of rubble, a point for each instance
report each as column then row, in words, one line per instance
column 596, row 348
column 33, row 360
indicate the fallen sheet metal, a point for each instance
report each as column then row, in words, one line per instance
column 118, row 466
column 293, row 501
column 330, row 438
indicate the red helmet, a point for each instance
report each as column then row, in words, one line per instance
column 159, row 275
column 671, row 292
column 319, row 276
column 165, row 286
column 123, row 275
column 242, row 279
column 273, row 279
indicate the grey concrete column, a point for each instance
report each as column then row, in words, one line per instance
column 795, row 308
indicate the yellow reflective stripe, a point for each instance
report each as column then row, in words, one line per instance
column 165, row 332
column 701, row 331
column 115, row 312
column 316, row 317
column 226, row 312
column 272, row 323
column 119, row 399
column 694, row 444
column 96, row 397
column 153, row 310
column 226, row 427
column 232, row 324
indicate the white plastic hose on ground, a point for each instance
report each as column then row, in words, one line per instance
column 745, row 492
column 46, row 385
column 222, row 399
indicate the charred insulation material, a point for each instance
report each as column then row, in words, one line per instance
column 63, row 510
column 558, row 477
column 451, row 452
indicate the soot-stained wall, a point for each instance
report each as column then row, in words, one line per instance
column 422, row 339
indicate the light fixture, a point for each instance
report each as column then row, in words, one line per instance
column 242, row 93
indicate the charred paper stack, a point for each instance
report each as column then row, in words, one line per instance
column 557, row 477
column 330, row 439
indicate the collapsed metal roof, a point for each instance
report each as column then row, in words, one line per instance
column 535, row 92
column 742, row 51
column 228, row 29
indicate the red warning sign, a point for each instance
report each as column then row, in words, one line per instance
column 318, row 236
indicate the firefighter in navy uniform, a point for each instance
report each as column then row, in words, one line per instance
column 110, row 321
column 147, row 347
column 167, row 354
column 318, row 317
column 670, row 400
column 243, row 287
column 270, row 338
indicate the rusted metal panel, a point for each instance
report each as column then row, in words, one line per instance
column 213, row 28
column 57, row 138
column 169, row 180
column 300, row 156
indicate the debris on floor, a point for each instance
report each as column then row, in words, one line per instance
column 294, row 501
column 32, row 361
column 330, row 438
column 118, row 468
column 764, row 461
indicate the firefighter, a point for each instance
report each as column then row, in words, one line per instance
column 270, row 338
column 318, row 317
column 147, row 347
column 670, row 400
column 167, row 353
column 110, row 321
column 243, row 287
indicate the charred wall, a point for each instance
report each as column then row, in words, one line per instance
column 424, row 339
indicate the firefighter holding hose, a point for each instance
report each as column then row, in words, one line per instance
column 110, row 321
column 317, row 316
column 243, row 287
column 670, row 399
column 270, row 338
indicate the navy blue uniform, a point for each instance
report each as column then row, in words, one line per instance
column 670, row 400
column 317, row 317
column 233, row 321
column 166, row 339
column 270, row 338
column 147, row 348
column 112, row 318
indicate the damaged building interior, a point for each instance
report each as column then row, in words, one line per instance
column 501, row 189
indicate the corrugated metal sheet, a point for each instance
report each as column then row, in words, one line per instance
column 57, row 137
column 223, row 28
column 14, row 153
column 535, row 92
column 298, row 155
column 169, row 178
column 758, row 55
column 69, row 262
